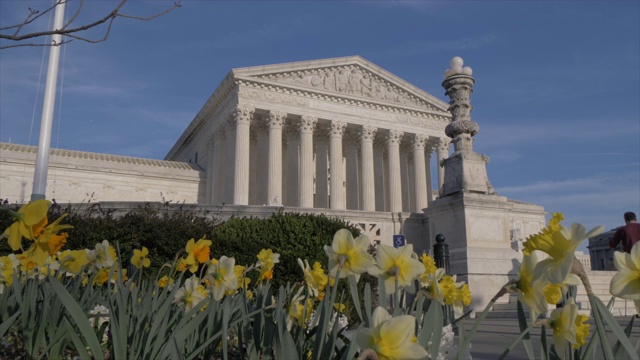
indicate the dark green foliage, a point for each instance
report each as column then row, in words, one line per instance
column 292, row 235
column 165, row 233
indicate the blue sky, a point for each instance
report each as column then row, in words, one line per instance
column 556, row 97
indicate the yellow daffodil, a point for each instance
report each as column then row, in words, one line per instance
column 582, row 330
column 198, row 251
column 461, row 298
column 265, row 274
column 49, row 242
column 191, row 293
column 164, row 281
column 397, row 266
column 221, row 277
column 560, row 244
column 531, row 293
column 239, row 271
column 563, row 323
column 626, row 282
column 315, row 278
column 7, row 269
column 31, row 219
column 348, row 254
column 299, row 313
column 101, row 277
column 140, row 258
column 455, row 293
column 73, row 260
column 552, row 292
column 431, row 284
column 429, row 265
column 267, row 258
column 391, row 338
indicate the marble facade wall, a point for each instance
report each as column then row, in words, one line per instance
column 76, row 177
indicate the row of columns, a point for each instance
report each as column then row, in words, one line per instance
column 245, row 167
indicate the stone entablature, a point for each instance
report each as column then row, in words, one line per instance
column 77, row 176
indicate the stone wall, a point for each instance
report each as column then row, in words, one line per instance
column 76, row 177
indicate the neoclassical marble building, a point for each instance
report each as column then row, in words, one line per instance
column 338, row 134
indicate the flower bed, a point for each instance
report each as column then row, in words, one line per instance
column 60, row 303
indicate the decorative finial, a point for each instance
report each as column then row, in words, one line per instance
column 457, row 68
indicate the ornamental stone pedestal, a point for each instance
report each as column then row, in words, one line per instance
column 476, row 222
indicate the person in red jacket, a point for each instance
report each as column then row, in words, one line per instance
column 628, row 234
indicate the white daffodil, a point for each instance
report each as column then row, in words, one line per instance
column 626, row 282
column 391, row 337
column 397, row 266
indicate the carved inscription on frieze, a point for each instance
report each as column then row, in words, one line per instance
column 351, row 80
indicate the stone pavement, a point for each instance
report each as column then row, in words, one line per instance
column 495, row 335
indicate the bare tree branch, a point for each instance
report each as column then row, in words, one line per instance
column 67, row 30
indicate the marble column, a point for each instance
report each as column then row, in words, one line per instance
column 291, row 174
column 420, row 173
column 393, row 154
column 305, row 195
column 443, row 153
column 274, row 176
column 336, row 184
column 262, row 162
column 380, row 170
column 368, row 176
column 428, row 152
column 253, row 167
column 322, row 165
column 219, row 147
column 209, row 171
column 404, row 177
column 242, row 119
column 352, row 173
column 230, row 155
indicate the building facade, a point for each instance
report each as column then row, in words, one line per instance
column 339, row 134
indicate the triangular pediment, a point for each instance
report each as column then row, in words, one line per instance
column 349, row 77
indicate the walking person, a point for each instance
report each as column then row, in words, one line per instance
column 628, row 234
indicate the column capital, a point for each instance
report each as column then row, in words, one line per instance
column 242, row 114
column 394, row 137
column 337, row 128
column 307, row 123
column 443, row 144
column 368, row 133
column 420, row 141
column 276, row 119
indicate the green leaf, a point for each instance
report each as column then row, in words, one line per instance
column 544, row 349
column 607, row 353
column 353, row 285
column 526, row 340
column 524, row 333
column 615, row 328
column 78, row 316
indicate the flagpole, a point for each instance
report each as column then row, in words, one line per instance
column 46, row 122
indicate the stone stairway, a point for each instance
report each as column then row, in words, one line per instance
column 599, row 280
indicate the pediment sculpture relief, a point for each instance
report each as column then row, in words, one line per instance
column 350, row 80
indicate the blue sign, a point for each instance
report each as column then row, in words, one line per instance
column 399, row 240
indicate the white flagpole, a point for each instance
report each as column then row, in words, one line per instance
column 44, row 143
